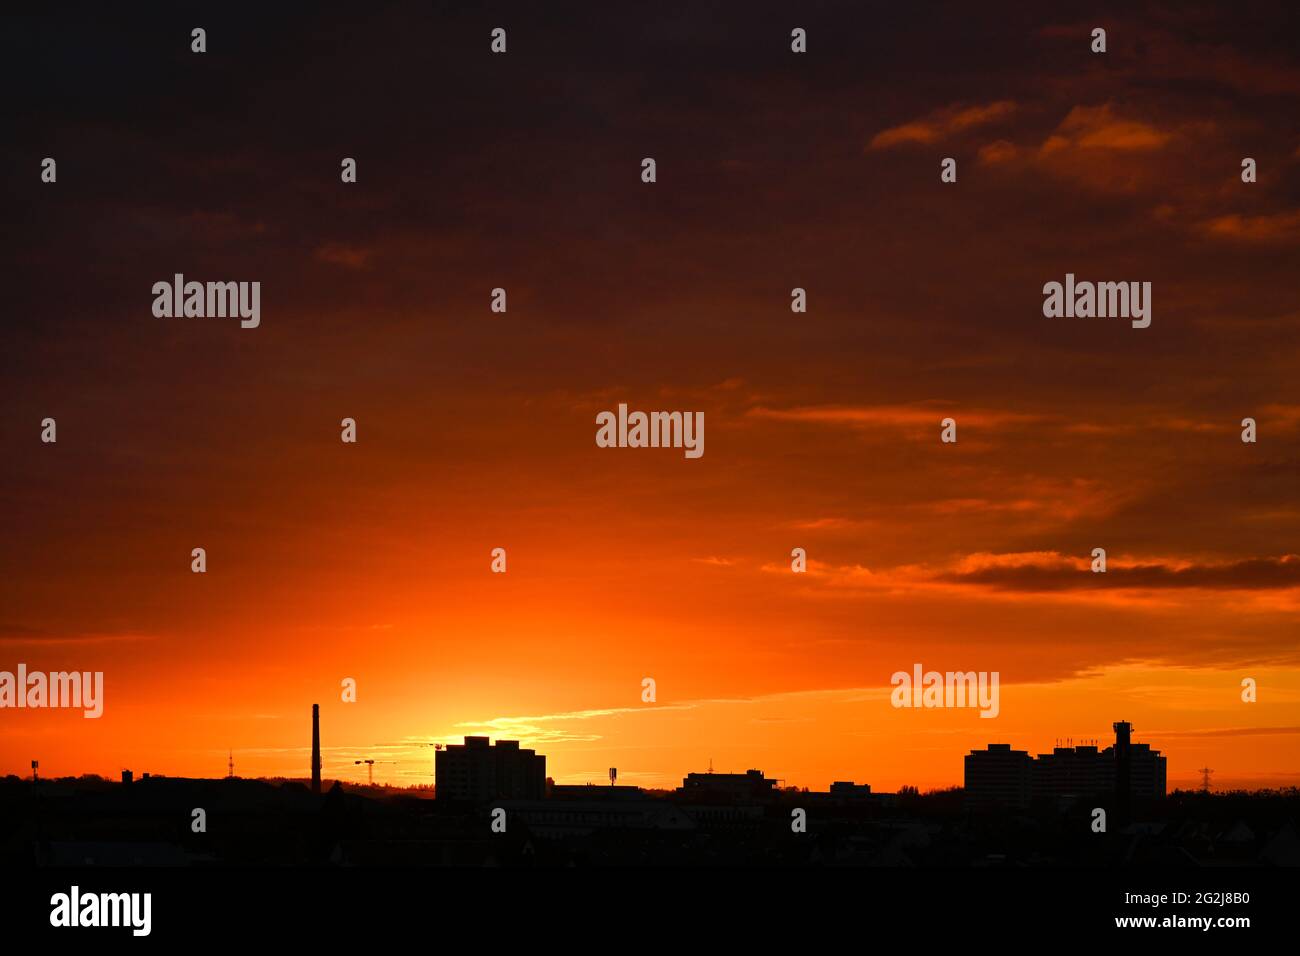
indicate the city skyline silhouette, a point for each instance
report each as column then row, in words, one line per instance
column 1062, row 749
column 1078, row 805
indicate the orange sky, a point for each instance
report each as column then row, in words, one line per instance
column 476, row 430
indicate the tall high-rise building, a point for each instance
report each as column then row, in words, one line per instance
column 477, row 771
column 1071, row 770
column 1147, row 771
column 999, row 776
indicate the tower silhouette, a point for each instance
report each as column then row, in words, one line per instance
column 315, row 748
column 1205, row 778
column 1123, row 769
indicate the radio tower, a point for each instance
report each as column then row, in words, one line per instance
column 1205, row 779
column 230, row 766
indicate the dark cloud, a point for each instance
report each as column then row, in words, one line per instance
column 1255, row 574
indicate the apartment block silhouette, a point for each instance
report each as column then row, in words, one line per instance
column 1000, row 776
column 478, row 771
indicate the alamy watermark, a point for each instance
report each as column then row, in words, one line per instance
column 1085, row 300
column 75, row 908
column 181, row 299
column 946, row 689
column 651, row 430
column 36, row 689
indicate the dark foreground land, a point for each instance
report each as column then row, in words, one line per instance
column 152, row 822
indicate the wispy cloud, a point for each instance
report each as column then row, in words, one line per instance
column 1228, row 732
column 338, row 254
column 869, row 416
column 534, row 730
column 1274, row 227
column 1100, row 128
column 1050, row 575
column 20, row 635
column 942, row 124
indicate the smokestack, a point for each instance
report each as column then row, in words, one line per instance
column 315, row 748
column 1123, row 769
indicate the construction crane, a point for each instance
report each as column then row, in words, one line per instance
column 370, row 768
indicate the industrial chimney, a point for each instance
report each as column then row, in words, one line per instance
column 315, row 748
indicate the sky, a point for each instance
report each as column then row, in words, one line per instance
column 476, row 429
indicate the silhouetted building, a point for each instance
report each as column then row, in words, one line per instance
column 1120, row 772
column 751, row 784
column 478, row 771
column 127, row 776
column 1072, row 772
column 999, row 776
column 1147, row 771
column 848, row 789
column 315, row 748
